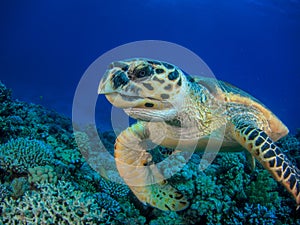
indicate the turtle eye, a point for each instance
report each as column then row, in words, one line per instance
column 143, row 71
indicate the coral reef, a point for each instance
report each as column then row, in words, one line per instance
column 49, row 178
column 53, row 204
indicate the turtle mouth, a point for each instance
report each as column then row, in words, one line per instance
column 134, row 97
column 133, row 101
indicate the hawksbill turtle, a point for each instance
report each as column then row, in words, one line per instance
column 173, row 110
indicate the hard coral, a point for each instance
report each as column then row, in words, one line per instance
column 262, row 191
column 113, row 189
column 20, row 154
column 111, row 206
column 61, row 204
column 42, row 174
column 254, row 214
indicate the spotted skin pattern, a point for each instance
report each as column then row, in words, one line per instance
column 270, row 156
column 152, row 91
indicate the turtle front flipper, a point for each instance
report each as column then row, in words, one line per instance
column 258, row 143
column 143, row 178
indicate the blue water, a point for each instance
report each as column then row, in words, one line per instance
column 47, row 45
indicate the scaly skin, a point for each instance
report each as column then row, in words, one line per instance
column 174, row 109
column 271, row 157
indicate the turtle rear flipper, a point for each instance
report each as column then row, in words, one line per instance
column 145, row 181
column 271, row 157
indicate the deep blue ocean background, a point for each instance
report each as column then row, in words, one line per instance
column 46, row 46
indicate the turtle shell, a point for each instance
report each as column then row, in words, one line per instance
column 231, row 94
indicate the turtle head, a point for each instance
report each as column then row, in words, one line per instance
column 144, row 88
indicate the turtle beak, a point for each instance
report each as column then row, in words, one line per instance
column 105, row 85
column 112, row 82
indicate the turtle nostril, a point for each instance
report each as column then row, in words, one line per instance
column 125, row 68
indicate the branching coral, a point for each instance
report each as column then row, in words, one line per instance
column 20, row 154
column 106, row 202
column 4, row 192
column 61, row 204
column 114, row 189
column 207, row 203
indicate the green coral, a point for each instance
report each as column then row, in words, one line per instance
column 129, row 215
column 69, row 156
column 5, row 93
column 232, row 175
column 42, row 174
column 207, row 203
column 20, row 154
column 262, row 191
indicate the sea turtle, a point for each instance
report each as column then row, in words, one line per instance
column 174, row 109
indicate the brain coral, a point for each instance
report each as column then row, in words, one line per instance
column 20, row 154
column 51, row 204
